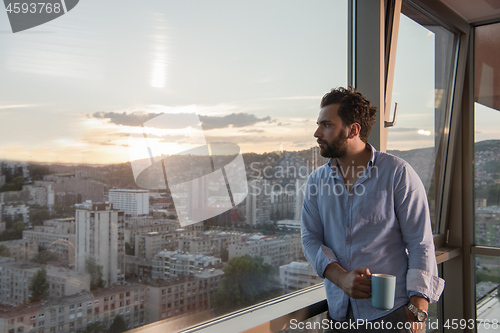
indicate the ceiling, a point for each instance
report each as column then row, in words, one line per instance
column 475, row 11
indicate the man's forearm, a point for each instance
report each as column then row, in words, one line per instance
column 354, row 283
column 334, row 272
column 420, row 302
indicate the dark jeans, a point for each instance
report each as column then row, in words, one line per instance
column 396, row 321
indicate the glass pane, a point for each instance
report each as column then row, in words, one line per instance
column 316, row 324
column 487, row 137
column 487, row 293
column 424, row 62
column 162, row 109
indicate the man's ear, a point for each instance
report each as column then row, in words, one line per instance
column 354, row 130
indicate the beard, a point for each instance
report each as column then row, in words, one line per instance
column 337, row 148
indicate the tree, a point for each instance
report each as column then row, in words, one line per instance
column 38, row 216
column 247, row 281
column 95, row 272
column 96, row 327
column 43, row 256
column 8, row 220
column 15, row 232
column 224, row 255
column 118, row 325
column 129, row 250
column 39, row 286
column 37, row 171
column 4, row 251
column 16, row 184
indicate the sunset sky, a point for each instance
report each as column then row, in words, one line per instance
column 254, row 72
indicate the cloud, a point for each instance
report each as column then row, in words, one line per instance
column 251, row 131
column 178, row 138
column 126, row 119
column 303, row 144
column 15, row 106
column 232, row 120
column 243, row 139
column 318, row 98
column 403, row 129
column 182, row 120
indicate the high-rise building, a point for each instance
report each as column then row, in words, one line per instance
column 258, row 202
column 300, row 191
column 100, row 235
column 133, row 202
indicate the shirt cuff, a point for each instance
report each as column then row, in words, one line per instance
column 324, row 257
column 424, row 283
column 415, row 293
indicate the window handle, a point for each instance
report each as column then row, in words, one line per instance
column 393, row 122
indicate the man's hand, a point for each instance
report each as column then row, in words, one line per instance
column 355, row 284
column 421, row 303
column 415, row 325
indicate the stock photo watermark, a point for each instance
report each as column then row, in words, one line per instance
column 27, row 14
column 302, row 173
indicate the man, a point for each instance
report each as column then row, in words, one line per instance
column 366, row 212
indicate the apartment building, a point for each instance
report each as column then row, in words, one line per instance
column 57, row 236
column 172, row 264
column 258, row 202
column 142, row 225
column 137, row 268
column 41, row 193
column 15, row 279
column 132, row 202
column 182, row 296
column 128, row 301
column 20, row 249
column 275, row 251
column 100, row 234
column 72, row 314
column 76, row 185
column 147, row 245
column 210, row 243
column 21, row 212
column 297, row 275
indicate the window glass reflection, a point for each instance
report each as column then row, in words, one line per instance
column 120, row 206
column 487, row 139
column 487, row 295
column 424, row 61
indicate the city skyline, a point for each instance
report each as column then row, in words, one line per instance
column 79, row 85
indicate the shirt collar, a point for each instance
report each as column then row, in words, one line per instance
column 332, row 162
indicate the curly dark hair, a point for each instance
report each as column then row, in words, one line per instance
column 354, row 108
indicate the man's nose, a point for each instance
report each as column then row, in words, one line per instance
column 317, row 133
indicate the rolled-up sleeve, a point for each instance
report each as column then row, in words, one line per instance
column 414, row 219
column 318, row 255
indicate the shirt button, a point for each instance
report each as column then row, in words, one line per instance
column 347, row 242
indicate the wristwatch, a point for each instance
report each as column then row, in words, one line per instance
column 419, row 314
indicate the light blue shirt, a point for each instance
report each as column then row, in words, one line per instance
column 382, row 224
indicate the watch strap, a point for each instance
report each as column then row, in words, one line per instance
column 420, row 315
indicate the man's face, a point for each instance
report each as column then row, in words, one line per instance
column 331, row 134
